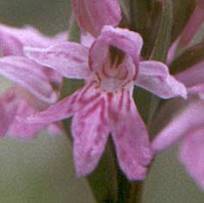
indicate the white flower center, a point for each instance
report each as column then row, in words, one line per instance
column 116, row 75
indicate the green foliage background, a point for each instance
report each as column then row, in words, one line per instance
column 41, row 170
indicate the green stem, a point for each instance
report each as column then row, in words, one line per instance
column 135, row 193
column 123, row 187
column 103, row 180
column 74, row 31
column 129, row 192
column 153, row 106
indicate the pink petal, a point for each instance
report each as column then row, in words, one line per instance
column 193, row 25
column 56, row 112
column 86, row 39
column 55, row 129
column 198, row 89
column 154, row 77
column 28, row 36
column 29, row 75
column 9, row 45
column 90, row 133
column 172, row 52
column 92, row 15
column 192, row 154
column 61, row 37
column 20, row 129
column 54, row 78
column 66, row 107
column 192, row 76
column 8, row 108
column 127, row 41
column 130, row 135
column 191, row 118
column 69, row 59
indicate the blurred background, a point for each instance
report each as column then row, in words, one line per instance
column 41, row 170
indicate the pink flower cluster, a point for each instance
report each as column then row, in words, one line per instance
column 110, row 64
column 188, row 125
column 34, row 87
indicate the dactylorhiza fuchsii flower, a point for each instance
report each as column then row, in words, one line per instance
column 188, row 126
column 34, row 86
column 110, row 67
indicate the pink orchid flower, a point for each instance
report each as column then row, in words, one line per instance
column 193, row 78
column 110, row 68
column 34, row 87
column 188, row 126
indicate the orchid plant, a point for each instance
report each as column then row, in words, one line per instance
column 34, row 87
column 118, row 54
